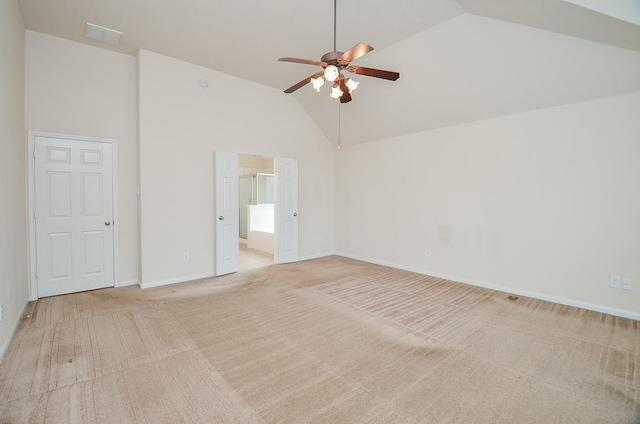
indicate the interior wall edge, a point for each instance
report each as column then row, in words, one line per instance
column 12, row 332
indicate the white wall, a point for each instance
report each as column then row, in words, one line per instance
column 13, row 213
column 181, row 126
column 72, row 88
column 545, row 203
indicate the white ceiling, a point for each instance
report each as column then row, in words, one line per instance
column 459, row 61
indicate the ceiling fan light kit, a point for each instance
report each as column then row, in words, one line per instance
column 331, row 72
column 333, row 63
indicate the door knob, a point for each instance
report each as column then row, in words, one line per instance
column 107, row 223
column 295, row 214
column 221, row 218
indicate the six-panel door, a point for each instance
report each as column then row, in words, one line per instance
column 73, row 210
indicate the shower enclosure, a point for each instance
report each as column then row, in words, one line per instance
column 254, row 189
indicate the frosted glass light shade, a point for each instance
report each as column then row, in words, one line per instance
column 336, row 93
column 331, row 72
column 317, row 83
column 351, row 84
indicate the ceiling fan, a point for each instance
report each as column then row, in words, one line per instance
column 333, row 63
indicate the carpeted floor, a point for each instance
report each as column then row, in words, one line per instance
column 329, row 340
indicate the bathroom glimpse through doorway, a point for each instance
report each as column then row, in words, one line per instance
column 256, row 214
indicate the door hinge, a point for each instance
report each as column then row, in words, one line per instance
column 34, row 153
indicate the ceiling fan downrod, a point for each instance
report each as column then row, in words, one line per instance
column 335, row 15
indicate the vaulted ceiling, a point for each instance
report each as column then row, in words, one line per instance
column 459, row 61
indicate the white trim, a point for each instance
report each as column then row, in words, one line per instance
column 175, row 280
column 535, row 295
column 114, row 205
column 14, row 328
column 33, row 285
column 128, row 283
column 317, row 256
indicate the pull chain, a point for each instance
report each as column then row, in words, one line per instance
column 339, row 127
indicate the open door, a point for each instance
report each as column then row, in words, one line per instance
column 226, row 218
column 286, row 205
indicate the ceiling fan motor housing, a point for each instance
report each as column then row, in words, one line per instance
column 331, row 57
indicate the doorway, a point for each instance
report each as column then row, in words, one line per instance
column 256, row 211
column 285, row 212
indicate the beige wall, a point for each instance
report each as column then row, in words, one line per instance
column 13, row 213
column 181, row 126
column 545, row 203
column 255, row 162
column 72, row 88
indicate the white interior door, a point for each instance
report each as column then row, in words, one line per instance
column 286, row 203
column 73, row 183
column 227, row 220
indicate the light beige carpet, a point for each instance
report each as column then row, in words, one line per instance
column 330, row 340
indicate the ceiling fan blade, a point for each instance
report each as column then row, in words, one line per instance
column 371, row 72
column 346, row 96
column 294, row 87
column 354, row 53
column 304, row 61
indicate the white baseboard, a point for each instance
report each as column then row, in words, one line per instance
column 316, row 256
column 7, row 342
column 128, row 283
column 535, row 295
column 174, row 280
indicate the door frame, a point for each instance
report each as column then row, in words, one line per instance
column 31, row 203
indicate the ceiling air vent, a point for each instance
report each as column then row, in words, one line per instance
column 96, row 32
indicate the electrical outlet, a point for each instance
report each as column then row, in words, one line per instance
column 186, row 257
column 614, row 282
column 427, row 252
column 626, row 284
